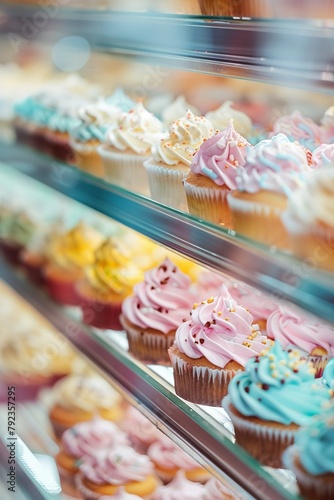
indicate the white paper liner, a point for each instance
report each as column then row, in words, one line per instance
column 268, row 440
column 166, row 185
column 209, row 204
column 125, row 170
column 311, row 486
column 200, row 384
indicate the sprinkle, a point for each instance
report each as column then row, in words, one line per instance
column 195, row 306
column 219, row 313
column 247, row 344
column 265, row 387
column 201, row 341
column 247, row 389
column 271, row 357
column 207, row 324
column 272, row 366
column 226, row 319
column 210, row 300
column 263, row 342
column 203, row 302
column 274, row 374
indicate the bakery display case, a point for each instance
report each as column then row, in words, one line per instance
column 155, row 53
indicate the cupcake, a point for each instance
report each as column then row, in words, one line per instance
column 246, row 8
column 274, row 168
column 168, row 459
column 310, row 226
column 171, row 157
column 77, row 398
column 17, row 228
column 311, row 458
column 221, row 117
column 323, row 156
column 327, row 126
column 296, row 329
column 213, row 174
column 140, row 431
column 121, row 494
column 108, row 281
column 211, row 347
column 176, row 109
column 271, row 399
column 67, row 256
column 216, row 490
column 152, row 314
column 105, row 471
column 96, row 119
column 127, row 145
column 298, row 128
column 180, row 487
column 81, row 440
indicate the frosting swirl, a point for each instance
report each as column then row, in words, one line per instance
column 292, row 327
column 165, row 453
column 220, row 118
column 279, row 386
column 87, row 437
column 86, row 393
column 121, row 494
column 216, row 490
column 119, row 465
column 179, row 487
column 120, row 100
column 138, row 428
column 75, row 248
column 95, row 120
column 220, row 156
column 161, row 300
column 176, row 109
column 275, row 164
column 323, row 156
column 220, row 330
column 298, row 128
column 183, row 139
column 136, row 130
column 112, row 269
column 314, row 444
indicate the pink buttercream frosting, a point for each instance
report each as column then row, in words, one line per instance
column 161, row 300
column 274, row 164
column 87, row 437
column 118, row 466
column 221, row 331
column 121, row 494
column 216, row 490
column 293, row 327
column 180, row 488
column 323, row 156
column 299, row 128
column 138, row 428
column 167, row 454
column 220, row 156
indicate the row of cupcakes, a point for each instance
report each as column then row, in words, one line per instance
column 110, row 450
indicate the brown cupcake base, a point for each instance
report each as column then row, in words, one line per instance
column 11, row 251
column 264, row 440
column 198, row 380
column 150, row 346
column 61, row 285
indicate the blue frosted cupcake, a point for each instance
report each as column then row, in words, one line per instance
column 268, row 402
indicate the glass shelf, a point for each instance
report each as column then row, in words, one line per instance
column 290, row 52
column 205, row 433
column 283, row 276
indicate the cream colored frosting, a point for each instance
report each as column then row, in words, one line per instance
column 177, row 109
column 220, row 118
column 136, row 131
column 77, row 392
column 183, row 139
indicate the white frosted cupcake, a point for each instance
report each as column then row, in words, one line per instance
column 177, row 108
column 127, row 145
column 220, row 119
column 171, row 158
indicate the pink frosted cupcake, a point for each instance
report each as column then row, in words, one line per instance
column 216, row 490
column 213, row 175
column 274, row 169
column 298, row 128
column 140, row 431
column 168, row 458
column 81, row 440
column 212, row 347
column 152, row 314
column 104, row 472
column 121, row 494
column 296, row 329
column 180, row 488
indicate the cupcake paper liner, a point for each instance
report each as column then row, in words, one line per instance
column 62, row 291
column 148, row 347
column 259, row 222
column 244, row 8
column 125, row 170
column 200, row 384
column 265, row 443
column 87, row 158
column 166, row 185
column 311, row 487
column 100, row 314
column 209, row 204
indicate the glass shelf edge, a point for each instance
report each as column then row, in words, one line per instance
column 222, row 455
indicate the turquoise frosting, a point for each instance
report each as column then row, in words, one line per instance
column 121, row 100
column 32, row 110
column 87, row 132
column 315, row 444
column 279, row 386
